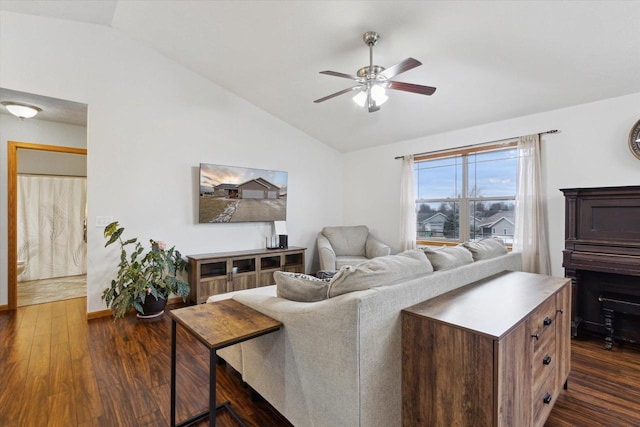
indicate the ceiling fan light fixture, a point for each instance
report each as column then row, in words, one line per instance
column 360, row 98
column 23, row 111
column 379, row 95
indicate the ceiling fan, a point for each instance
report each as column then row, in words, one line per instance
column 374, row 80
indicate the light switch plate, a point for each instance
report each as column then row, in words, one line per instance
column 103, row 221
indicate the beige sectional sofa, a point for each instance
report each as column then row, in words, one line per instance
column 337, row 362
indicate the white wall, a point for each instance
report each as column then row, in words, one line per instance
column 150, row 123
column 591, row 150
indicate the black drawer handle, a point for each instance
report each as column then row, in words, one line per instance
column 546, row 360
column 536, row 336
column 547, row 321
column 547, row 398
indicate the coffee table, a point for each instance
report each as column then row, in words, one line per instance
column 216, row 325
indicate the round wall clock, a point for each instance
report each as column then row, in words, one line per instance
column 634, row 139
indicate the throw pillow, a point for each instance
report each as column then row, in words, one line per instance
column 386, row 270
column 485, row 249
column 300, row 287
column 326, row 274
column 448, row 257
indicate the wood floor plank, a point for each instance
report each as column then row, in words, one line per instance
column 85, row 391
column 14, row 376
column 34, row 402
column 62, row 411
column 59, row 331
column 61, row 371
column 40, row 355
column 118, row 374
column 43, row 320
column 118, row 407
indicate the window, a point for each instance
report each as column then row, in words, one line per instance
column 466, row 194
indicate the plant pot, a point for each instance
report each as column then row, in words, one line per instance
column 152, row 308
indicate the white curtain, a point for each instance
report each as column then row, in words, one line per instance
column 408, row 205
column 51, row 213
column 530, row 235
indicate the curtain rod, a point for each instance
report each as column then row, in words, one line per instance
column 474, row 145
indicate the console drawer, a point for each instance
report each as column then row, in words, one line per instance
column 544, row 399
column 542, row 324
column 543, row 362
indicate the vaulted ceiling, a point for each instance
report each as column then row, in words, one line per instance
column 490, row 60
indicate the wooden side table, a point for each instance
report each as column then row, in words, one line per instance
column 216, row 325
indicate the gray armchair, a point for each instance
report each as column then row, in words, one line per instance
column 339, row 246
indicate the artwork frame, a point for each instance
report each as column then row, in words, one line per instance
column 240, row 194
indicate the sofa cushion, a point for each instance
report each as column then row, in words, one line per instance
column 347, row 240
column 485, row 249
column 300, row 287
column 448, row 257
column 386, row 270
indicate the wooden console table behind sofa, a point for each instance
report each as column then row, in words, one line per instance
column 492, row 353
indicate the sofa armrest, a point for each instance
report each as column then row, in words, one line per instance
column 311, row 364
column 375, row 248
column 326, row 254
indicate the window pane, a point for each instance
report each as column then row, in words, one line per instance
column 438, row 221
column 492, row 219
column 487, row 198
column 493, row 173
column 439, row 179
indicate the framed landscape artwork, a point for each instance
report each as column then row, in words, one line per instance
column 236, row 194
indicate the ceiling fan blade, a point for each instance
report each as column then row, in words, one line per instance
column 337, row 74
column 333, row 95
column 413, row 88
column 400, row 67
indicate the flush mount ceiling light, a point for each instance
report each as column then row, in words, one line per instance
column 24, row 111
column 374, row 80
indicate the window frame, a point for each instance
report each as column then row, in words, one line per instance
column 463, row 202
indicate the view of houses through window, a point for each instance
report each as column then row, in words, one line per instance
column 469, row 195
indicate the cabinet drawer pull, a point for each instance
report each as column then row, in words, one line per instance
column 547, row 321
column 547, row 398
column 560, row 310
column 536, row 336
column 546, row 360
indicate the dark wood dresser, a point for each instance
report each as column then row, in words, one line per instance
column 493, row 353
column 602, row 258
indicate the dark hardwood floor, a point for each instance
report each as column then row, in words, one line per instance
column 58, row 369
column 604, row 386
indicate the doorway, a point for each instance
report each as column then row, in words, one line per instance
column 12, row 163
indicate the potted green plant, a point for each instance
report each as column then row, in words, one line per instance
column 144, row 280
